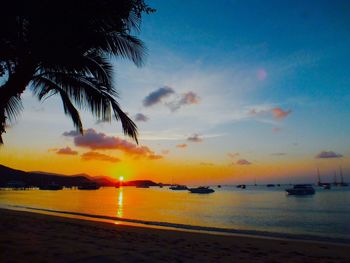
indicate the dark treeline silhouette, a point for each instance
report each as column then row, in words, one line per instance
column 64, row 48
column 9, row 176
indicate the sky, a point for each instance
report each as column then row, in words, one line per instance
column 231, row 92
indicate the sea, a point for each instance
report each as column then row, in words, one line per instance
column 256, row 210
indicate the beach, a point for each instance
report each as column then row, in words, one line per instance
column 34, row 237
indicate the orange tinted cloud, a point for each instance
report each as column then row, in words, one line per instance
column 188, row 98
column 278, row 113
column 100, row 141
column 154, row 157
column 183, row 145
column 67, row 150
column 243, row 162
column 88, row 156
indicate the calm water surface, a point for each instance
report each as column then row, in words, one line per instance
column 327, row 213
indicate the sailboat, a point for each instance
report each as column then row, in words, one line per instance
column 326, row 186
column 319, row 178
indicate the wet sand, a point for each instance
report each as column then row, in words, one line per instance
column 32, row 237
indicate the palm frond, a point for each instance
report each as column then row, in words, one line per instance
column 13, row 108
column 87, row 93
column 45, row 87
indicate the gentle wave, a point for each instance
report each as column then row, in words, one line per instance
column 194, row 227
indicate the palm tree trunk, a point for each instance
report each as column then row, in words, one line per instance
column 14, row 87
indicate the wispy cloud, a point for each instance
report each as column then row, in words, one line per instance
column 277, row 112
column 156, row 96
column 96, row 156
column 328, row 154
column 278, row 154
column 183, row 145
column 185, row 99
column 195, row 138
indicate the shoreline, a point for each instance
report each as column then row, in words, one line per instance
column 34, row 237
column 182, row 227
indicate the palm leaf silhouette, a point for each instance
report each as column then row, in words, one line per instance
column 64, row 48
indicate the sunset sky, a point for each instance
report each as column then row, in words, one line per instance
column 231, row 91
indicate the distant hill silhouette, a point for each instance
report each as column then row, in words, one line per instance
column 38, row 178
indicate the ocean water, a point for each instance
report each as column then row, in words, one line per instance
column 258, row 210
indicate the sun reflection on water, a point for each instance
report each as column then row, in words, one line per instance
column 120, row 203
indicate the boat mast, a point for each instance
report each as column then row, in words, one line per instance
column 335, row 178
column 319, row 177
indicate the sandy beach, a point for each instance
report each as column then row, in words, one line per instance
column 32, row 237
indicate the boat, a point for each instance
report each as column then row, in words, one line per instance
column 89, row 186
column 52, row 187
column 326, row 186
column 178, row 187
column 242, row 186
column 270, row 185
column 301, row 189
column 201, row 190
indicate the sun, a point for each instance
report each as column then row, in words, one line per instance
column 121, row 178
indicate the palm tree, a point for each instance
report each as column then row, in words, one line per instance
column 64, row 48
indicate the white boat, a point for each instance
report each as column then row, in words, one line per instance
column 201, row 190
column 301, row 189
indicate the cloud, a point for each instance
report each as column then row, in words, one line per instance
column 278, row 154
column 156, row 96
column 183, row 145
column 185, row 99
column 264, row 110
column 279, row 114
column 141, row 117
column 195, row 138
column 88, row 156
column 276, row 129
column 155, row 157
column 233, row 155
column 328, row 154
column 165, row 151
column 243, row 162
column 67, row 151
column 100, row 141
column 71, row 134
